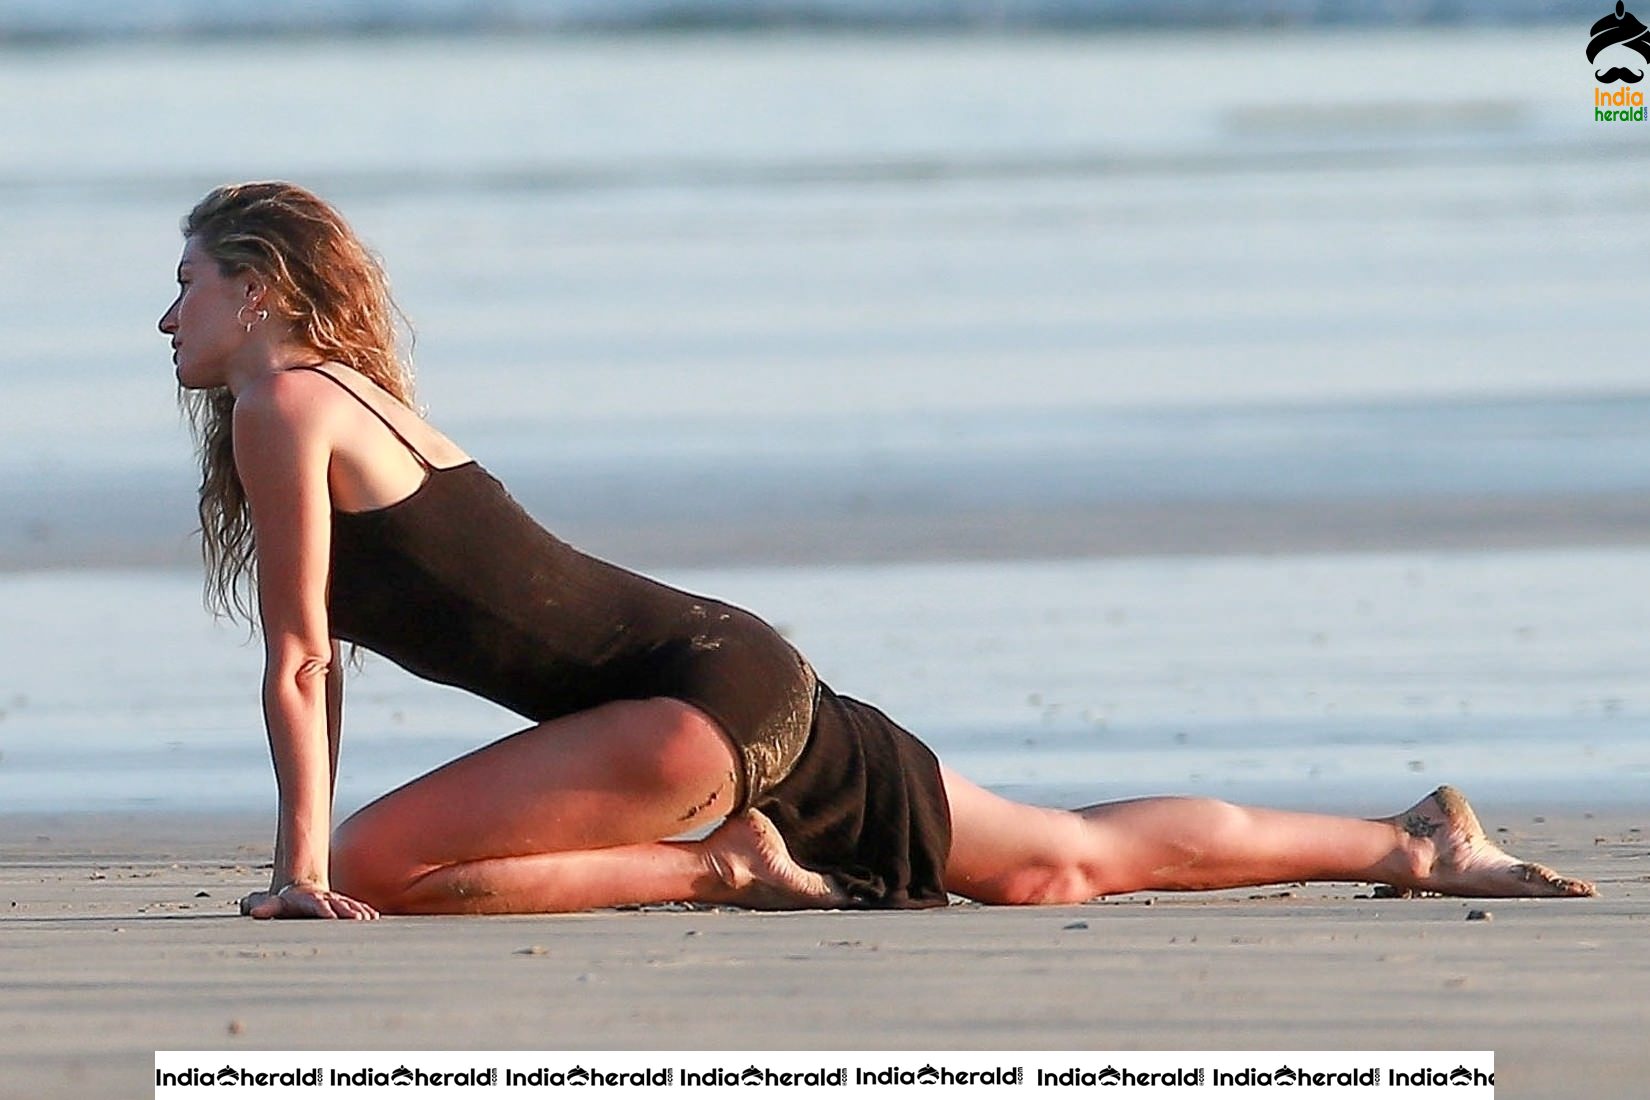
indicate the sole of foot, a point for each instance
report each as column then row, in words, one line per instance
column 1455, row 856
column 750, row 857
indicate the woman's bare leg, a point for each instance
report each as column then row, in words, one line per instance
column 744, row 862
column 1007, row 853
column 573, row 814
column 570, row 814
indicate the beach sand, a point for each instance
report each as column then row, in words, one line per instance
column 119, row 938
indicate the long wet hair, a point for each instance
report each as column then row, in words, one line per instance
column 333, row 292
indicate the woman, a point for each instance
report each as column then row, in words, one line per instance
column 655, row 711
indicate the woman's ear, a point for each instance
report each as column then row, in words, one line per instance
column 254, row 290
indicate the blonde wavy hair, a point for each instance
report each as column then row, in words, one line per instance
column 333, row 293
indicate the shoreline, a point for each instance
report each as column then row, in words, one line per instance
column 880, row 533
column 1340, row 682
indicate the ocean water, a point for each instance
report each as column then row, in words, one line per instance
column 35, row 19
column 887, row 338
column 848, row 276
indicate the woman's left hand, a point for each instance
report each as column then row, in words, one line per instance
column 299, row 900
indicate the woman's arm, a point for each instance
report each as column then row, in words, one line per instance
column 282, row 454
column 335, row 715
column 335, row 734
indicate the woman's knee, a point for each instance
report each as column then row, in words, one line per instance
column 661, row 751
column 366, row 863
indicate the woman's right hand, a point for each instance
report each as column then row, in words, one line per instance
column 299, row 900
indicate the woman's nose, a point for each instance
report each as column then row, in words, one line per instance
column 169, row 322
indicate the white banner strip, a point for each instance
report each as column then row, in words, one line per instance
column 693, row 1075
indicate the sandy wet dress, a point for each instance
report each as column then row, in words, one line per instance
column 458, row 584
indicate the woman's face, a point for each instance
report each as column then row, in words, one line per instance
column 207, row 321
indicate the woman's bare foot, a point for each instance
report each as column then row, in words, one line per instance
column 1449, row 854
column 749, row 856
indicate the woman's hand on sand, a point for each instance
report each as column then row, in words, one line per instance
column 300, row 899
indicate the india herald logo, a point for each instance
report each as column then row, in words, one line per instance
column 1620, row 29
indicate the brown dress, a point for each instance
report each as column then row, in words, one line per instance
column 458, row 584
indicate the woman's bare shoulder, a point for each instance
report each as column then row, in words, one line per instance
column 291, row 406
column 301, row 404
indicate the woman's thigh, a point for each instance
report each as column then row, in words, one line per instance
column 1008, row 853
column 621, row 773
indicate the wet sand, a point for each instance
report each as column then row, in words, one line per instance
column 119, row 938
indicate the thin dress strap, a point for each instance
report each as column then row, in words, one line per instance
column 341, row 384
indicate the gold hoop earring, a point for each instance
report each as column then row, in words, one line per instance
column 260, row 315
